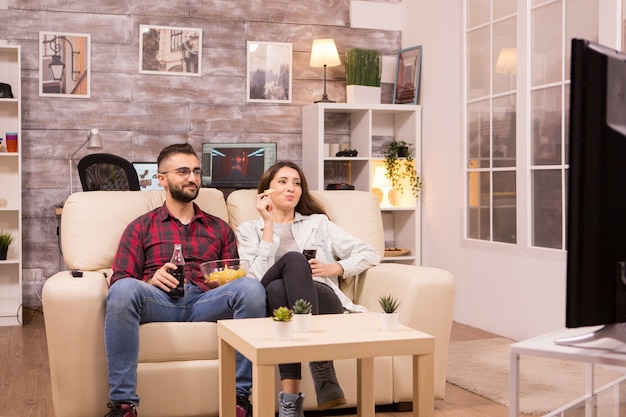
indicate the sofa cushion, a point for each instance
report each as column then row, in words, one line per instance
column 355, row 211
column 91, row 230
column 165, row 342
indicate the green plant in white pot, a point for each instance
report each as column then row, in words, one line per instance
column 5, row 241
column 389, row 317
column 302, row 313
column 363, row 70
column 282, row 323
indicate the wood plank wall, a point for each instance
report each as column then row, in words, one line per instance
column 138, row 114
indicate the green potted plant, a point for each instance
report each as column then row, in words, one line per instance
column 5, row 241
column 389, row 317
column 302, row 315
column 363, row 69
column 282, row 323
column 400, row 165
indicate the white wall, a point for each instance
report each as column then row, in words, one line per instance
column 511, row 294
column 518, row 293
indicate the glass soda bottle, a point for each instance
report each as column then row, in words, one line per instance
column 179, row 272
column 310, row 246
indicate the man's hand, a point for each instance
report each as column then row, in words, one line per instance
column 163, row 279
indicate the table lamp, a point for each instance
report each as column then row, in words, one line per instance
column 381, row 181
column 324, row 54
column 93, row 142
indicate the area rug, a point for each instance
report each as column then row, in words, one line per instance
column 482, row 367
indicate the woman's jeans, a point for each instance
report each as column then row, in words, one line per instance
column 288, row 280
column 132, row 302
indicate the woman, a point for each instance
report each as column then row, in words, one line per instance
column 274, row 245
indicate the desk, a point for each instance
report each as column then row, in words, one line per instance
column 333, row 336
column 545, row 346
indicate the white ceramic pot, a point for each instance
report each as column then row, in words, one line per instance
column 389, row 321
column 358, row 94
column 301, row 322
column 282, row 330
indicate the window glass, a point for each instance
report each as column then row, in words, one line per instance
column 504, row 56
column 546, row 40
column 547, row 208
column 478, row 63
column 477, row 12
column 546, row 122
column 503, row 128
column 504, row 207
column 479, row 149
column 503, row 8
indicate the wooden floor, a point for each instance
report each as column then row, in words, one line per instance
column 25, row 379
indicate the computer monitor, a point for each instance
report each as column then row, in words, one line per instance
column 236, row 165
column 147, row 174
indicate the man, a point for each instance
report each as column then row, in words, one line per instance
column 141, row 279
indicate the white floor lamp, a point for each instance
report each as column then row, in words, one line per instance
column 93, row 142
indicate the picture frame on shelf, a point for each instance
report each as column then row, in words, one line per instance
column 64, row 64
column 408, row 68
column 268, row 74
column 169, row 50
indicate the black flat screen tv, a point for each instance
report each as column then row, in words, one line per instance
column 236, row 165
column 596, row 222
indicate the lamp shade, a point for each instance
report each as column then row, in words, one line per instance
column 380, row 179
column 94, row 143
column 324, row 53
column 507, row 61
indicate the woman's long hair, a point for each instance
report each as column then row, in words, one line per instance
column 308, row 204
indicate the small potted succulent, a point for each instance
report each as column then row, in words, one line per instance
column 282, row 323
column 302, row 315
column 400, row 165
column 5, row 241
column 389, row 317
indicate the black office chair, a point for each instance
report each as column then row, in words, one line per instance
column 107, row 172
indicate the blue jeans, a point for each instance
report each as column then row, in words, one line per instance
column 131, row 302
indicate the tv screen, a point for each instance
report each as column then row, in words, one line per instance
column 596, row 224
column 236, row 165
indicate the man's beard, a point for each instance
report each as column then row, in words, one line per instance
column 183, row 194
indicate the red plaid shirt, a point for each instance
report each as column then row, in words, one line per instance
column 148, row 243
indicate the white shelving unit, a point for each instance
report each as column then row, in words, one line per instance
column 367, row 129
column 11, row 189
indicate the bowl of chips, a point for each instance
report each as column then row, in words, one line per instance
column 223, row 271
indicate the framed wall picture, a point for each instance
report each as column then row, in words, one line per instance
column 268, row 72
column 170, row 50
column 65, row 64
column 406, row 86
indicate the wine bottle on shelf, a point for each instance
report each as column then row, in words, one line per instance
column 179, row 272
column 310, row 246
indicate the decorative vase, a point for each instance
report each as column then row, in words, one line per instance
column 282, row 330
column 302, row 322
column 389, row 321
column 357, row 94
column 3, row 253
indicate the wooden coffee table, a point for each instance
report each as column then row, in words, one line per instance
column 338, row 336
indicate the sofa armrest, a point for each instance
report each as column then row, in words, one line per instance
column 74, row 318
column 426, row 298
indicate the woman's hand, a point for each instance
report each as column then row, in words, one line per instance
column 264, row 206
column 319, row 269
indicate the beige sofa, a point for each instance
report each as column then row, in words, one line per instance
column 178, row 367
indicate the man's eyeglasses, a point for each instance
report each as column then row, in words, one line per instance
column 184, row 172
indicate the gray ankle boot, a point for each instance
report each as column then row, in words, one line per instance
column 329, row 393
column 290, row 405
